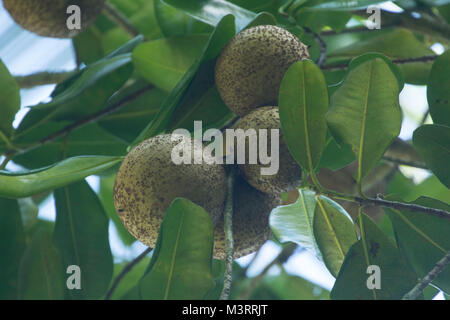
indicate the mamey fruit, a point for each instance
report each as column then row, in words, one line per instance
column 250, row 220
column 48, row 18
column 250, row 68
column 148, row 181
column 289, row 173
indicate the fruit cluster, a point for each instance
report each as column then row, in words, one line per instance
column 248, row 75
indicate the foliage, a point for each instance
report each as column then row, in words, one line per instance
column 131, row 87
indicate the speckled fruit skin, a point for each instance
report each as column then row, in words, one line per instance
column 48, row 18
column 289, row 175
column 250, row 68
column 250, row 220
column 148, row 181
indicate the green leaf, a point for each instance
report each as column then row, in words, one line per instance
column 12, row 245
column 81, row 95
column 10, row 102
column 334, row 232
column 175, row 22
column 294, row 222
column 424, row 239
column 163, row 62
column 78, row 142
column 438, row 94
column 344, row 5
column 374, row 248
column 106, row 196
column 130, row 279
column 303, row 103
column 365, row 112
column 398, row 44
column 81, row 236
column 130, row 120
column 335, row 156
column 25, row 184
column 218, row 39
column 41, row 273
column 213, row 11
column 181, row 269
column 432, row 142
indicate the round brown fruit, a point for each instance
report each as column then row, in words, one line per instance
column 251, row 210
column 148, row 181
column 250, row 68
column 48, row 18
column 289, row 175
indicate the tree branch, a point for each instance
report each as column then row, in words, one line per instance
column 388, row 204
column 282, row 257
column 322, row 44
column 438, row 268
column 344, row 66
column 42, row 78
column 120, row 19
column 406, row 162
column 125, row 270
column 92, row 118
column 229, row 242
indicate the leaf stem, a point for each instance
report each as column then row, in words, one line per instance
column 438, row 268
column 229, row 242
column 343, row 66
column 389, row 204
column 90, row 119
column 322, row 44
column 406, row 162
column 125, row 270
column 120, row 19
column 282, row 257
column 42, row 78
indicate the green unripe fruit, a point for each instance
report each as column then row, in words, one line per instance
column 148, row 181
column 48, row 18
column 250, row 68
column 251, row 210
column 289, row 175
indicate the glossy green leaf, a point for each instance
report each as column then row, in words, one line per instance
column 438, row 93
column 202, row 102
column 294, row 222
column 41, row 272
column 432, row 142
column 78, row 142
column 218, row 39
column 130, row 279
column 398, row 44
column 345, row 5
column 25, row 184
column 374, row 248
column 212, row 11
column 365, row 112
column 81, row 236
column 10, row 101
column 181, row 269
column 334, row 232
column 163, row 62
column 106, row 196
column 12, row 245
column 303, row 103
column 128, row 122
column 175, row 22
column 335, row 156
column 424, row 239
column 81, row 95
